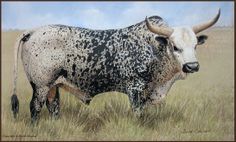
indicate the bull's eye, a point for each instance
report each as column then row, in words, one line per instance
column 177, row 49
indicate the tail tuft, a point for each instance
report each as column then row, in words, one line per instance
column 14, row 105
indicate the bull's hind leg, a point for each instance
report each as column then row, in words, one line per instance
column 53, row 102
column 38, row 100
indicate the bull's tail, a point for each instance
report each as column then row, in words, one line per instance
column 14, row 99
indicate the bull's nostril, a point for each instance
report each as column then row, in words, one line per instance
column 190, row 67
column 187, row 68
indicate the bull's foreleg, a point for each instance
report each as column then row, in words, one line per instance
column 38, row 100
column 53, row 102
column 135, row 91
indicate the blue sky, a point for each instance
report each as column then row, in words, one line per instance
column 107, row 15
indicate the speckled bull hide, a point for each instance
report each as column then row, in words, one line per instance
column 142, row 61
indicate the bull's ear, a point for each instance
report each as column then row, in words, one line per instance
column 161, row 40
column 201, row 39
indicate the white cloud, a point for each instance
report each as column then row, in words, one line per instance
column 196, row 16
column 26, row 18
column 93, row 18
column 202, row 13
column 136, row 13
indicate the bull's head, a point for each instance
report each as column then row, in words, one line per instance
column 183, row 40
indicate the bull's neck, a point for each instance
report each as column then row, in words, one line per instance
column 165, row 67
column 165, row 71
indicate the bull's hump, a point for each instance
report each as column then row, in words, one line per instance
column 155, row 18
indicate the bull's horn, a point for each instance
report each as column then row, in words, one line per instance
column 203, row 26
column 159, row 30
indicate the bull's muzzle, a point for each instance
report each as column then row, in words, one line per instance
column 191, row 67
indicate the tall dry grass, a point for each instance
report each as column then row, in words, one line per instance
column 198, row 108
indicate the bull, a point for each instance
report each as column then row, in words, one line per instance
column 142, row 61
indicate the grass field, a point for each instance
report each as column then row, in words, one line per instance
column 198, row 108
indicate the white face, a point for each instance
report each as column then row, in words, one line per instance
column 184, row 41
